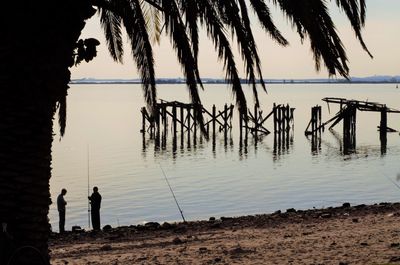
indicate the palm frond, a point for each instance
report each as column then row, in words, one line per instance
column 111, row 24
column 265, row 18
column 189, row 9
column 132, row 19
column 247, row 26
column 311, row 18
column 176, row 29
column 153, row 21
column 230, row 15
column 355, row 12
column 215, row 30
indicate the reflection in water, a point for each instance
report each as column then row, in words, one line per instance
column 347, row 115
column 283, row 138
column 283, row 141
column 315, row 140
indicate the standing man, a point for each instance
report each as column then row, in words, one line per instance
column 61, row 209
column 95, row 201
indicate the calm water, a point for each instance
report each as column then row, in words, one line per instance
column 220, row 180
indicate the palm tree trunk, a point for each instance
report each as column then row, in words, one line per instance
column 38, row 41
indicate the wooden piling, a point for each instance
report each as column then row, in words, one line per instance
column 213, row 119
column 188, row 110
column 182, row 120
column 240, row 126
column 279, row 119
column 283, row 125
column 195, row 109
column 165, row 119
column 383, row 125
column 143, row 120
column 255, row 122
column 174, row 118
column 157, row 120
column 275, row 118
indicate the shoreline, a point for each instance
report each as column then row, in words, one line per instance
column 361, row 234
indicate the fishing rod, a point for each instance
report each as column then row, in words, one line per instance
column 394, row 183
column 88, row 187
column 173, row 194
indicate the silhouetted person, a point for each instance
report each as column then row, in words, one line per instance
column 61, row 209
column 95, row 202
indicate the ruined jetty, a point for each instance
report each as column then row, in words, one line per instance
column 181, row 119
column 348, row 115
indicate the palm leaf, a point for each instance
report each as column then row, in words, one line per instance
column 132, row 19
column 111, row 24
column 189, row 9
column 312, row 20
column 153, row 20
column 215, row 30
column 230, row 15
column 264, row 16
column 356, row 14
column 176, row 29
column 247, row 26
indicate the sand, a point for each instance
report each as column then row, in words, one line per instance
column 345, row 235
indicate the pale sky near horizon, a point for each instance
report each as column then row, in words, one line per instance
column 381, row 34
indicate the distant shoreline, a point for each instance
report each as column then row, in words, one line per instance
column 224, row 83
column 377, row 79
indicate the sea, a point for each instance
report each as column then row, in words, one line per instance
column 141, row 181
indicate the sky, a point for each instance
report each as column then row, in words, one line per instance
column 381, row 34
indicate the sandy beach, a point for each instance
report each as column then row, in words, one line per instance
column 361, row 234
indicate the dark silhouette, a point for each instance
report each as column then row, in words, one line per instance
column 61, row 203
column 95, row 203
column 36, row 57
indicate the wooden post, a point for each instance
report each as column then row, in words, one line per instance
column 283, row 109
column 313, row 122
column 383, row 125
column 353, row 129
column 279, row 119
column 188, row 110
column 275, row 118
column 255, row 122
column 182, row 120
column 188, row 120
column 194, row 124
column 346, row 130
column 246, row 128
column 287, row 117
column 320, row 118
column 143, row 120
column 174, row 124
column 213, row 120
column 292, row 115
column 230, row 116
column 165, row 119
column 157, row 119
column 225, row 116
column 174, row 120
column 240, row 125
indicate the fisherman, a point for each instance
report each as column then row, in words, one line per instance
column 95, row 202
column 61, row 209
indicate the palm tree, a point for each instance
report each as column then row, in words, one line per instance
column 40, row 42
